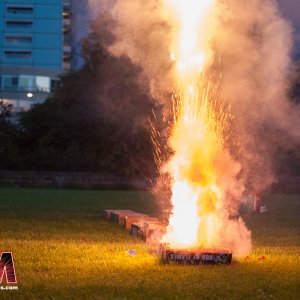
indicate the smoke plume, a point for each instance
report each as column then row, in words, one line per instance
column 251, row 45
column 254, row 44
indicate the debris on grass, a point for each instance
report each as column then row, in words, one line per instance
column 263, row 209
column 262, row 258
column 131, row 252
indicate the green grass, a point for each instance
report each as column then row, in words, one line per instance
column 63, row 249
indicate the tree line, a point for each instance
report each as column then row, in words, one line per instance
column 97, row 120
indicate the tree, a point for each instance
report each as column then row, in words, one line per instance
column 97, row 120
column 9, row 136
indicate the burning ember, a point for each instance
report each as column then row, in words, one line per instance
column 201, row 168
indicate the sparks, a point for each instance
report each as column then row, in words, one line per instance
column 197, row 137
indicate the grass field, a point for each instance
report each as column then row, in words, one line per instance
column 64, row 250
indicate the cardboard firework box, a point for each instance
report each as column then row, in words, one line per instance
column 135, row 219
column 154, row 231
column 195, row 256
column 117, row 216
column 137, row 229
column 150, row 230
column 108, row 212
column 113, row 214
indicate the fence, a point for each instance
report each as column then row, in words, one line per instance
column 101, row 181
column 69, row 180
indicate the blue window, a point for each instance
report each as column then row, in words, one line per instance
column 19, row 24
column 19, row 10
column 10, row 83
column 15, row 54
column 29, row 83
column 26, row 83
column 18, row 40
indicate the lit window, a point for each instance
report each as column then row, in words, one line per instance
column 10, row 83
column 19, row 24
column 26, row 83
column 22, row 55
column 66, row 29
column 20, row 10
column 66, row 15
column 16, row 40
column 43, row 84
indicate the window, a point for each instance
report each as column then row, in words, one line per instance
column 34, row 83
column 23, row 55
column 17, row 40
column 19, row 24
column 20, row 10
column 67, row 39
column 55, row 84
column 66, row 15
column 67, row 57
column 43, row 84
column 66, row 29
column 26, row 83
column 10, row 83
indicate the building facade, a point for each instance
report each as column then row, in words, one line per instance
column 80, row 29
column 35, row 48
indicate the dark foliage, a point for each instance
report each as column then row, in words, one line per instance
column 9, row 137
column 97, row 120
column 295, row 86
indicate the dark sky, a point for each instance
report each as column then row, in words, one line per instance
column 291, row 10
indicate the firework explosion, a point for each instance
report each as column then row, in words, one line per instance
column 201, row 164
column 216, row 60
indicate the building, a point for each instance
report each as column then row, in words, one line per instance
column 35, row 48
column 80, row 28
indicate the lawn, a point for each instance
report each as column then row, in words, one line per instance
column 63, row 249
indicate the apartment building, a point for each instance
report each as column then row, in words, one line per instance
column 35, row 48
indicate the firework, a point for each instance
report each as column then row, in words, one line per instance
column 202, row 165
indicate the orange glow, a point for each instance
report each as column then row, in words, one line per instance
column 200, row 160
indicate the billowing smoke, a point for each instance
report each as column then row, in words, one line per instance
column 291, row 9
column 96, row 7
column 250, row 48
column 253, row 44
column 143, row 34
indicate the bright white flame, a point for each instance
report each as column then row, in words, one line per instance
column 190, row 44
column 194, row 191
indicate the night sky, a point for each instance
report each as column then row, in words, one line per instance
column 291, row 10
